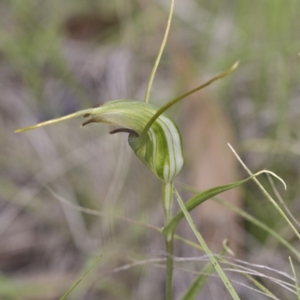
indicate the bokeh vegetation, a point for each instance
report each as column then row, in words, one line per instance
column 58, row 57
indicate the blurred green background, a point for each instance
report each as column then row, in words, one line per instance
column 57, row 57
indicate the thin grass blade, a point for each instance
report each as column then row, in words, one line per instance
column 277, row 207
column 260, row 286
column 196, row 287
column 200, row 239
column 251, row 219
column 296, row 279
column 160, row 52
column 79, row 280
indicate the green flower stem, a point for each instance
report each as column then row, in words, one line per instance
column 169, row 280
column 167, row 201
column 169, row 239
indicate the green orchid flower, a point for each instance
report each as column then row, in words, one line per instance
column 154, row 137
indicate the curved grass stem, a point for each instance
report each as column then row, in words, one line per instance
column 285, row 217
column 163, row 44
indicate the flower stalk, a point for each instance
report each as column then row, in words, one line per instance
column 169, row 239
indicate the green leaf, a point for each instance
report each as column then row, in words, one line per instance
column 202, row 197
column 211, row 257
column 196, row 287
column 197, row 200
column 79, row 280
column 260, row 286
column 199, row 282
